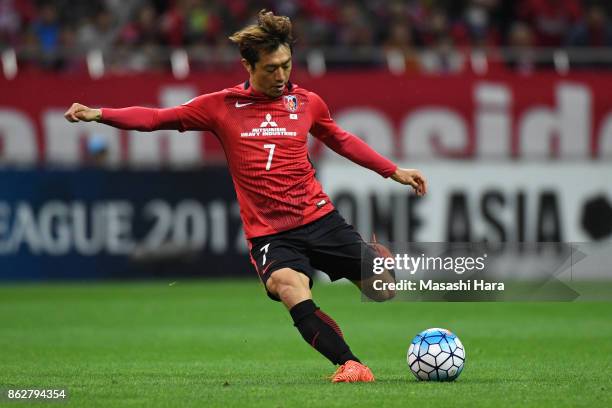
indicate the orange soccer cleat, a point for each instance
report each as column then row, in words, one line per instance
column 352, row 371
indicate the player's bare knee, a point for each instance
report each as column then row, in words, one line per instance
column 379, row 295
column 386, row 295
column 286, row 282
column 387, row 277
column 287, row 292
column 376, row 287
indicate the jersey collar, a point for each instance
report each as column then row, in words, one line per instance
column 247, row 86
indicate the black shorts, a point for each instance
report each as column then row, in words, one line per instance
column 328, row 244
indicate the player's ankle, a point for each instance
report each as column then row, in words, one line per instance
column 348, row 356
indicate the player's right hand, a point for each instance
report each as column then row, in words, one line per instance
column 78, row 112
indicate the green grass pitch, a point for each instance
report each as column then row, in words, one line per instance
column 224, row 344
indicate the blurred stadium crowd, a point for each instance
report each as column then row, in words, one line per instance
column 56, row 34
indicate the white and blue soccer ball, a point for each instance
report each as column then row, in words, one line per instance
column 436, row 355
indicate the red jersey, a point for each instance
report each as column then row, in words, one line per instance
column 265, row 142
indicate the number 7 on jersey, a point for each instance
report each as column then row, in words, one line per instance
column 271, row 147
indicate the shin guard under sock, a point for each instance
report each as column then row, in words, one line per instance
column 321, row 332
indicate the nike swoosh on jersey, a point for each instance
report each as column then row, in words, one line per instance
column 240, row 105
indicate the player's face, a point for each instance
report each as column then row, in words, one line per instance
column 272, row 71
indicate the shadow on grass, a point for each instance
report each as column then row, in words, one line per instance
column 457, row 383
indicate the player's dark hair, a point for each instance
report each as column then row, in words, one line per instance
column 267, row 35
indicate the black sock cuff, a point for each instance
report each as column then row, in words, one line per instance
column 347, row 356
column 302, row 309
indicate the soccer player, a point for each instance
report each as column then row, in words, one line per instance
column 291, row 225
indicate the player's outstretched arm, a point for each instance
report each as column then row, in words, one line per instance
column 356, row 150
column 411, row 177
column 132, row 118
column 78, row 112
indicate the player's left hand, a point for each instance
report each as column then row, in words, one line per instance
column 412, row 177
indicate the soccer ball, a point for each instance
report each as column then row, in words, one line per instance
column 436, row 355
